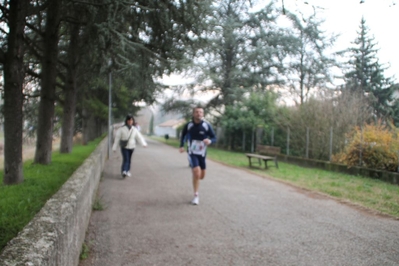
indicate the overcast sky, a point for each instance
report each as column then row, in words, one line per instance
column 343, row 17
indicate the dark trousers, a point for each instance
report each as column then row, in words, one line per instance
column 127, row 158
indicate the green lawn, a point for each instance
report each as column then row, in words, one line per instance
column 19, row 203
column 370, row 193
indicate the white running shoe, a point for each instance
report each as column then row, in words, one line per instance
column 195, row 200
column 128, row 174
column 124, row 174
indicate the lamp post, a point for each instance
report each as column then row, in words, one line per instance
column 109, row 108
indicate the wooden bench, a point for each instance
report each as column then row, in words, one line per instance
column 264, row 154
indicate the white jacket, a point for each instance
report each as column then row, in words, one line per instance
column 123, row 133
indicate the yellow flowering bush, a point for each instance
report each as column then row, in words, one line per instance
column 374, row 146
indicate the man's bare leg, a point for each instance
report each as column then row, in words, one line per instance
column 196, row 179
column 202, row 174
column 198, row 174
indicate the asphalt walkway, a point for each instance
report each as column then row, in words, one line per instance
column 242, row 219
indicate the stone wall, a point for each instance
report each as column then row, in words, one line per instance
column 56, row 234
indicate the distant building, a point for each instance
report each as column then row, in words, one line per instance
column 143, row 118
column 169, row 127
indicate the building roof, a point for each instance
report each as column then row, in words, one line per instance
column 172, row 123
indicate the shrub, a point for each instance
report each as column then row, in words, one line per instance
column 374, row 146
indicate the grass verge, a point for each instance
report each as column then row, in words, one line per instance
column 371, row 193
column 85, row 252
column 99, row 204
column 19, row 203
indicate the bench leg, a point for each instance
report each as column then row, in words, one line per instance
column 249, row 160
column 265, row 163
column 275, row 161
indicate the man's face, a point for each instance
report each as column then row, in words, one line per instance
column 198, row 114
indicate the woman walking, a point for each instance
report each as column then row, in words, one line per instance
column 126, row 137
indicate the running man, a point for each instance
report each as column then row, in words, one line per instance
column 198, row 134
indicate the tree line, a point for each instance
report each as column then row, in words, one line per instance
column 56, row 56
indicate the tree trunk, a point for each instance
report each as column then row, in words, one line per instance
column 89, row 126
column 68, row 121
column 69, row 108
column 47, row 94
column 13, row 97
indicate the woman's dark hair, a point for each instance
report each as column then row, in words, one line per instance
column 128, row 117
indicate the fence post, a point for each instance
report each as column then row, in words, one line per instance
column 331, row 142
column 288, row 141
column 253, row 139
column 243, row 140
column 109, row 113
column 272, row 141
column 361, row 146
column 307, row 142
column 259, row 135
column 218, row 135
column 398, row 161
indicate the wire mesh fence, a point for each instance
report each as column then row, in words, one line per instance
column 307, row 142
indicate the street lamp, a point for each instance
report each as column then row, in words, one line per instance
column 109, row 108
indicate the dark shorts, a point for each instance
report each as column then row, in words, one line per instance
column 197, row 160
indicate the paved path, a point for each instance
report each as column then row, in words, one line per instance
column 242, row 219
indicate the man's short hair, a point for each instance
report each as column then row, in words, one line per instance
column 198, row 107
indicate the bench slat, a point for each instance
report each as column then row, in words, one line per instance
column 268, row 149
column 259, row 156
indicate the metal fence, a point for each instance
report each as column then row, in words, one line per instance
column 306, row 143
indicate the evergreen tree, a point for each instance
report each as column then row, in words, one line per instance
column 12, row 54
column 49, row 58
column 75, row 66
column 366, row 75
column 143, row 39
column 255, row 110
column 241, row 52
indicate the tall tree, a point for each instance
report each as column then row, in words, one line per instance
column 242, row 51
column 309, row 67
column 133, row 36
column 366, row 75
column 69, row 104
column 49, row 62
column 75, row 64
column 12, row 57
column 143, row 39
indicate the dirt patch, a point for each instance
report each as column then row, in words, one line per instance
column 28, row 152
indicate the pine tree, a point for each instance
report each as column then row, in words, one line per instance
column 242, row 51
column 12, row 55
column 366, row 75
